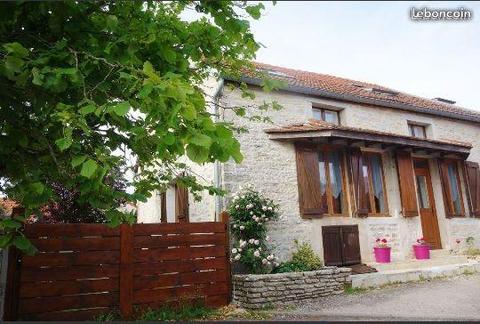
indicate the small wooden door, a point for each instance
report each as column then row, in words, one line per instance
column 426, row 202
column 341, row 245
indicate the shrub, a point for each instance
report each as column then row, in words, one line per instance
column 250, row 211
column 303, row 259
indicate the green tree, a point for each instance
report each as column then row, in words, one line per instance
column 86, row 86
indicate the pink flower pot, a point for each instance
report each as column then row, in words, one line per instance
column 422, row 252
column 382, row 254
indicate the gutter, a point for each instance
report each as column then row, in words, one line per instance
column 356, row 99
column 217, row 171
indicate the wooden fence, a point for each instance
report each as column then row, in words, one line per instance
column 83, row 270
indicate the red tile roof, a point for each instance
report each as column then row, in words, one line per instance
column 317, row 125
column 362, row 90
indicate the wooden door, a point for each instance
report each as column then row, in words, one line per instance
column 426, row 202
column 341, row 245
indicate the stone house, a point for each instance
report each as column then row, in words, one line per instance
column 348, row 162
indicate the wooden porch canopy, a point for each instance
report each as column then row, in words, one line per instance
column 318, row 131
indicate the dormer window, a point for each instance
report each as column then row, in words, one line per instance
column 327, row 115
column 417, row 130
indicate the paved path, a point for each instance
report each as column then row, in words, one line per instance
column 441, row 299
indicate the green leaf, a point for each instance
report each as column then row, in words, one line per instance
column 88, row 168
column 64, row 143
column 150, row 72
column 37, row 77
column 201, row 140
column 197, row 154
column 10, row 223
column 189, row 112
column 112, row 21
column 24, row 244
column 77, row 160
column 255, row 11
column 13, row 64
column 38, row 187
column 88, row 109
column 146, row 90
column 5, row 240
column 169, row 139
column 16, row 49
column 122, row 108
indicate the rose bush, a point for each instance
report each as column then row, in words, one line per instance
column 249, row 213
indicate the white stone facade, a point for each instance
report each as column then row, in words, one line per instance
column 271, row 167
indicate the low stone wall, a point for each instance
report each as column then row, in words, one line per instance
column 258, row 291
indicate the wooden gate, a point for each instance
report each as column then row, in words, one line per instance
column 341, row 245
column 83, row 270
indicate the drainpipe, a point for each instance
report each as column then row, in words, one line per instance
column 217, row 171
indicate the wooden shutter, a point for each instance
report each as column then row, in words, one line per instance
column 361, row 199
column 163, row 207
column 447, row 199
column 332, row 245
column 472, row 177
column 406, row 181
column 181, row 204
column 308, row 177
column 351, row 245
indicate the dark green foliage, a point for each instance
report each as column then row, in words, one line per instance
column 86, row 86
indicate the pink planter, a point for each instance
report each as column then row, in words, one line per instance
column 422, row 252
column 382, row 254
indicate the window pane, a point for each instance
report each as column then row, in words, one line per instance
column 417, row 131
column 334, row 165
column 377, row 181
column 317, row 114
column 422, row 192
column 454, row 190
column 323, row 178
column 366, row 182
column 331, row 116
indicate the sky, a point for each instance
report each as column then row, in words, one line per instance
column 377, row 42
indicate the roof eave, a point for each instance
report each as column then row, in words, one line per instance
column 356, row 99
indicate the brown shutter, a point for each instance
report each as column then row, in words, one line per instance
column 163, row 207
column 361, row 199
column 472, row 176
column 332, row 245
column 181, row 204
column 351, row 245
column 308, row 177
column 406, row 181
column 447, row 199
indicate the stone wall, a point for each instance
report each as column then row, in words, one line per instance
column 259, row 291
column 270, row 166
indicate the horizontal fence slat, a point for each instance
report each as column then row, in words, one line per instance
column 179, row 240
column 70, row 315
column 77, row 244
column 178, row 253
column 69, row 230
column 178, row 228
column 178, row 279
column 57, row 303
column 148, row 296
column 69, row 273
column 153, row 268
column 71, row 287
column 74, row 258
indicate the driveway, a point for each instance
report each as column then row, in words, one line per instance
column 442, row 299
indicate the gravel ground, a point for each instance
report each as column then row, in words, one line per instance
column 438, row 300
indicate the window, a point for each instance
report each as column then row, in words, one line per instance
column 372, row 172
column 452, row 189
column 417, row 130
column 330, row 164
column 329, row 116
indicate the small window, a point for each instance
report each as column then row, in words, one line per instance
column 331, row 180
column 417, row 131
column 329, row 116
column 451, row 183
column 374, row 183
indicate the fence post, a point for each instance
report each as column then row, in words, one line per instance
column 225, row 218
column 126, row 271
column 10, row 306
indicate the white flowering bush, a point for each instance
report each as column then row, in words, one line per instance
column 249, row 213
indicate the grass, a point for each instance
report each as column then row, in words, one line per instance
column 354, row 290
column 185, row 313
